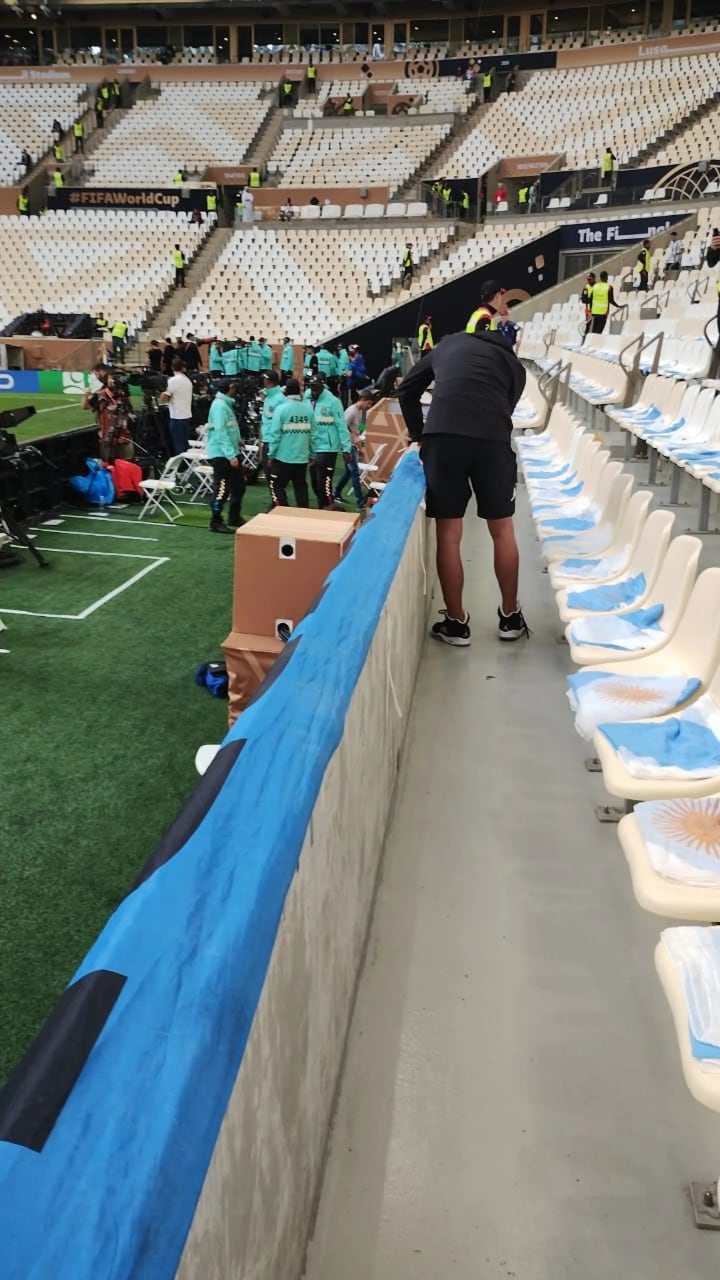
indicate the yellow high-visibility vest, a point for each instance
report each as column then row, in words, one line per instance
column 599, row 298
column 644, row 260
column 178, row 259
column 178, row 177
column 254, row 179
column 479, row 314
column 311, row 73
column 211, row 203
column 607, row 163
column 78, row 129
column 119, row 329
column 425, row 338
column 58, row 151
column 23, row 204
column 58, row 179
column 487, row 80
column 522, row 195
column 287, row 88
column 465, row 200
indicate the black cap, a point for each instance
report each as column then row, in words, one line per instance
column 489, row 289
column 292, row 387
column 272, row 377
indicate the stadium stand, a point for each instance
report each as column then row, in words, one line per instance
column 27, row 112
column 79, row 260
column 576, row 111
column 700, row 139
column 190, row 124
column 382, row 154
column 304, row 283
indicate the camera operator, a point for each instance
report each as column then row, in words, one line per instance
column 178, row 396
column 110, row 404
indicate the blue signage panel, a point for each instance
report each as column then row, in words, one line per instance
column 617, row 234
column 19, row 380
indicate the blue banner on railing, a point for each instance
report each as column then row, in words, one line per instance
column 108, row 1126
column 25, row 380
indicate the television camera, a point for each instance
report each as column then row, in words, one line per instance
column 11, row 455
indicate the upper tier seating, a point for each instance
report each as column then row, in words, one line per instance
column 79, row 260
column 27, row 112
column 580, row 110
column 190, row 124
column 386, row 154
column 699, row 140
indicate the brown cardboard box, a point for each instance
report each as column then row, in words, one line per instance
column 248, row 659
column 280, row 566
column 385, row 425
column 349, row 519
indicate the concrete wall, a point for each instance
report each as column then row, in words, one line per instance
column 257, row 1205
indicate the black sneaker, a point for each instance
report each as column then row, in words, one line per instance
column 512, row 626
column 451, row 631
column 217, row 525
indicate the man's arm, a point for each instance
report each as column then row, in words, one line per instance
column 519, row 378
column 275, row 430
column 410, row 391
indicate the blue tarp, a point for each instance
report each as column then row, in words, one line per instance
column 112, row 1193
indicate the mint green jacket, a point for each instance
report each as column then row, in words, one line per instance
column 292, row 436
column 223, row 437
column 332, row 432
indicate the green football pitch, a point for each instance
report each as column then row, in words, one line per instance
column 53, row 413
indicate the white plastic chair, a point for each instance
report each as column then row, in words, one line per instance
column 158, row 493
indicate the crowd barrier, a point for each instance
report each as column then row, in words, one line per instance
column 171, row 1118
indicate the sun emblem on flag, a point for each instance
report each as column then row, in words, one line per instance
column 695, row 823
column 626, row 691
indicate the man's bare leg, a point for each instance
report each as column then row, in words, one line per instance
column 507, row 561
column 450, row 566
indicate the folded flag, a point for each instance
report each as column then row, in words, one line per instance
column 605, row 599
column 682, row 839
column 695, row 953
column 596, row 695
column 683, row 746
column 631, row 632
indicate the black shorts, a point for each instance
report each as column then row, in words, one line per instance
column 455, row 463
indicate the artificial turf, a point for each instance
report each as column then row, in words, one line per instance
column 54, row 413
column 101, row 720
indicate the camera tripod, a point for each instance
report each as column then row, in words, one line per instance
column 18, row 535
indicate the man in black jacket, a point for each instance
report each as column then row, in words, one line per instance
column 465, row 443
column 712, row 258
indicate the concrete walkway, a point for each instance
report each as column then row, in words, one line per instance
column 512, row 1103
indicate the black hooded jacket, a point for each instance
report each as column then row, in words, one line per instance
column 478, row 381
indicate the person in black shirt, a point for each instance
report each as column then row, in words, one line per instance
column 465, row 443
column 191, row 355
column 712, row 257
column 168, row 356
column 155, row 356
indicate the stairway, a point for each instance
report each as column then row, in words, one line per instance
column 163, row 318
column 649, row 152
column 263, row 144
column 433, row 165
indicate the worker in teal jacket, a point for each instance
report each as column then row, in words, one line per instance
column 287, row 362
column 291, row 442
column 223, row 451
column 254, row 356
column 332, row 437
column 272, row 397
column 230, row 361
column 216, row 358
column 327, row 364
column 265, row 355
column 342, row 360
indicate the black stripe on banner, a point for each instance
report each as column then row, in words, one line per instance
column 193, row 811
column 35, row 1094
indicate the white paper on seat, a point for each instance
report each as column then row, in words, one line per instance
column 682, row 839
column 595, row 570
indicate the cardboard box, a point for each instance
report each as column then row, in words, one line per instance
column 385, row 425
column 280, row 566
column 248, row 659
column 310, row 514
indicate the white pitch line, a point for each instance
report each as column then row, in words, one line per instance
column 75, row 551
column 119, row 520
column 80, row 617
column 80, row 533
column 154, row 564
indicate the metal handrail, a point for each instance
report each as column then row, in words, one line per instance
column 547, row 374
column 633, row 342
column 658, row 338
column 712, row 320
column 699, row 284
